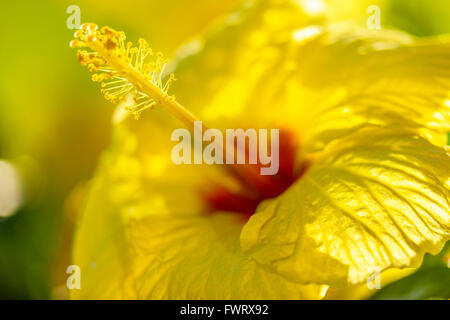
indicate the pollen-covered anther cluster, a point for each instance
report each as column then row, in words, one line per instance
column 113, row 61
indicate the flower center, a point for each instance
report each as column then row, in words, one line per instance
column 254, row 191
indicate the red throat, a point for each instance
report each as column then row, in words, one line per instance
column 254, row 191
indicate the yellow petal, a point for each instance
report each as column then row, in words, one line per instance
column 324, row 80
column 373, row 200
column 351, row 77
column 144, row 235
column 237, row 60
column 200, row 258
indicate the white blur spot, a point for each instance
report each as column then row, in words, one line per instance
column 234, row 18
column 306, row 33
column 324, row 290
column 313, row 7
column 11, row 191
column 438, row 116
column 191, row 48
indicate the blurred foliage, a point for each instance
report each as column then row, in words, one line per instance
column 420, row 17
column 54, row 124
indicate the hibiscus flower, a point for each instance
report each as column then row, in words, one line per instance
column 363, row 185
